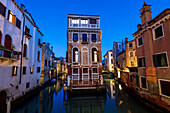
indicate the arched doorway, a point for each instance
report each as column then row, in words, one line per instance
column 8, row 43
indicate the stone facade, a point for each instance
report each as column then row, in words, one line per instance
column 84, row 48
column 153, row 53
column 108, row 61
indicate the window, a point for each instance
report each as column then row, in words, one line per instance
column 120, row 46
column 38, row 69
column 141, row 62
column 160, row 60
column 24, row 70
column 95, row 70
column 75, row 21
column 143, row 82
column 92, row 21
column 85, row 70
column 45, row 62
column 75, row 70
column 38, row 57
column 31, row 70
column 25, row 50
column 2, row 9
column 18, row 23
column 131, row 53
column 27, row 31
column 130, row 45
column 132, row 63
column 39, row 41
column 135, row 52
column 84, row 21
column 11, row 17
column 94, row 55
column 27, row 84
column 75, row 37
column 75, row 55
column 93, row 37
column 14, row 70
column 164, row 86
column 158, row 32
column 140, row 41
column 111, row 61
column 84, row 38
column 131, row 77
column 8, row 44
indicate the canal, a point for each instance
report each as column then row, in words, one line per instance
column 53, row 99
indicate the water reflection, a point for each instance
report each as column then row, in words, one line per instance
column 53, row 99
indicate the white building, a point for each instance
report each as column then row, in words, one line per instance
column 108, row 61
column 16, row 77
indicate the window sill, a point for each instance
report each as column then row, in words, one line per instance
column 84, row 42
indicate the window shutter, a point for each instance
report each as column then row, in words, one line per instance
column 163, row 60
column 155, row 60
column 8, row 14
column 13, row 19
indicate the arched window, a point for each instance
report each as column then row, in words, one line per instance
column 94, row 55
column 0, row 37
column 8, row 43
column 75, row 55
column 25, row 50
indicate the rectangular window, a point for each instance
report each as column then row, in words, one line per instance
column 158, row 32
column 85, row 70
column 84, row 38
column 14, row 70
column 39, row 41
column 140, row 41
column 130, row 45
column 141, row 62
column 38, row 57
column 160, row 60
column 131, row 53
column 31, row 70
column 131, row 77
column 11, row 17
column 143, row 82
column 92, row 21
column 84, row 21
column 120, row 46
column 93, row 37
column 132, row 63
column 75, row 70
column 111, row 61
column 75, row 21
column 95, row 70
column 27, row 31
column 2, row 9
column 165, row 90
column 27, row 84
column 45, row 62
column 38, row 69
column 18, row 23
column 75, row 37
column 24, row 70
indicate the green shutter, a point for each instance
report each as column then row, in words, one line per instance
column 155, row 60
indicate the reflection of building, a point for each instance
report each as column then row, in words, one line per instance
column 85, row 104
column 18, row 76
column 153, row 51
column 131, row 58
column 61, row 65
column 84, row 49
column 47, row 62
column 110, row 85
column 108, row 61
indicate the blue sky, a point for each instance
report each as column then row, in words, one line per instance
column 119, row 18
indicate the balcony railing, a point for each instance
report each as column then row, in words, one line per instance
column 84, row 25
column 9, row 54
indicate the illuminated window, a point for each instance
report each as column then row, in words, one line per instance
column 11, row 17
column 75, row 21
column 75, row 55
column 84, row 21
column 14, row 70
column 94, row 55
column 31, row 70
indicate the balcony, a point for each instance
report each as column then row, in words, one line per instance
column 8, row 54
column 93, row 26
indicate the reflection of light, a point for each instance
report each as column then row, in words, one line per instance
column 118, row 74
column 120, row 87
column 54, row 85
column 49, row 90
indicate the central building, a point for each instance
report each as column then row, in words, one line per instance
column 84, row 51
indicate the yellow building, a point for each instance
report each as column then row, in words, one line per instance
column 131, row 58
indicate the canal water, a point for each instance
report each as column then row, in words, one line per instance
column 53, row 99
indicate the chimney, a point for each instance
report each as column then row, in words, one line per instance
column 22, row 7
column 51, row 48
column 126, row 40
column 139, row 26
column 48, row 44
column 145, row 13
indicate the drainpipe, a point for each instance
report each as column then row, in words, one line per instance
column 22, row 41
